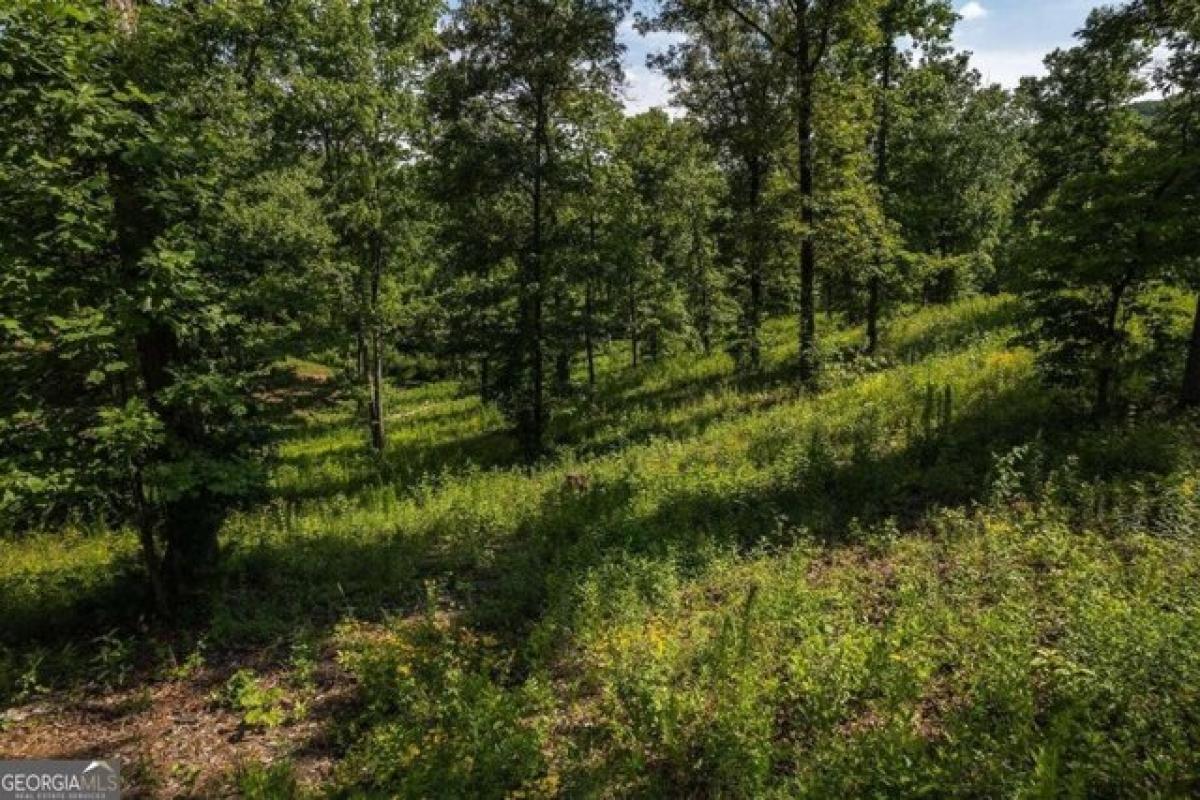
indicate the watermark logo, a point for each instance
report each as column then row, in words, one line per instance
column 60, row 780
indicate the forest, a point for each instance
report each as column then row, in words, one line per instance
column 389, row 410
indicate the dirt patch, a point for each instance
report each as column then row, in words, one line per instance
column 175, row 739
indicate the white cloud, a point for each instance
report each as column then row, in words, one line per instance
column 973, row 10
column 1007, row 67
column 646, row 89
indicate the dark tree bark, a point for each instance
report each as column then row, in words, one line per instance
column 378, row 432
column 146, row 527
column 1106, row 372
column 874, row 301
column 887, row 57
column 562, row 371
column 806, row 54
column 753, row 312
column 634, row 333
column 589, row 295
column 485, row 378
column 589, row 321
column 360, row 354
column 375, row 377
column 705, row 314
column 533, row 418
column 808, row 255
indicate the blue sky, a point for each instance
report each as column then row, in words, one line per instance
column 1008, row 39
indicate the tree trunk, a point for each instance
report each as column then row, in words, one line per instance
column 753, row 316
column 873, row 303
column 1106, row 373
column 361, row 367
column 533, row 418
column 634, row 333
column 150, row 558
column 1190, row 395
column 375, row 347
column 875, row 287
column 1104, row 380
column 562, row 370
column 378, row 433
column 589, row 343
column 360, row 353
column 189, row 525
column 704, row 317
column 589, row 289
column 808, row 255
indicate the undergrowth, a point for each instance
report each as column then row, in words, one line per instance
column 924, row 576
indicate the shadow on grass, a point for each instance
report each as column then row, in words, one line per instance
column 831, row 492
column 349, row 471
column 267, row 591
column 822, row 489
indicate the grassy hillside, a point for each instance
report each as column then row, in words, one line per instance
column 923, row 578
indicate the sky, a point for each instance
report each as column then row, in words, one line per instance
column 1008, row 38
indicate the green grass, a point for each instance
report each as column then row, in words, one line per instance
column 923, row 577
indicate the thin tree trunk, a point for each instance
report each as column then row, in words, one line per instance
column 534, row 416
column 875, row 287
column 873, row 303
column 361, row 367
column 754, row 310
column 706, row 313
column 375, row 348
column 378, row 433
column 808, row 256
column 562, row 370
column 634, row 333
column 589, row 290
column 1106, row 374
column 360, row 357
column 1190, row 395
column 589, row 343
column 150, row 557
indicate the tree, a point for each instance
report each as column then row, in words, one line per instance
column 519, row 68
column 954, row 173
column 1093, row 244
column 1176, row 27
column 926, row 21
column 598, row 200
column 672, row 287
column 356, row 96
column 803, row 35
column 137, row 296
column 728, row 79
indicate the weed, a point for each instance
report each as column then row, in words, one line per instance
column 259, row 705
column 267, row 782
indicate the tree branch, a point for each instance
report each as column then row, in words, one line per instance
column 732, row 6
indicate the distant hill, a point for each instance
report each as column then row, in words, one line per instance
column 1150, row 109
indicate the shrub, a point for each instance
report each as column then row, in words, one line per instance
column 439, row 719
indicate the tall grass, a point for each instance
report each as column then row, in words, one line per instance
column 922, row 576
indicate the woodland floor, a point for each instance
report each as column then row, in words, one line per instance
column 719, row 586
